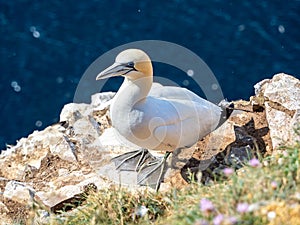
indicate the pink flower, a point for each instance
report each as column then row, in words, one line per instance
column 206, row 205
column 232, row 220
column 228, row 171
column 285, row 153
column 242, row 207
column 218, row 219
column 254, row 162
column 274, row 185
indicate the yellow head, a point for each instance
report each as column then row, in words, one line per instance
column 131, row 63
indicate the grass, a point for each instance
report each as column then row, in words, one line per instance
column 259, row 193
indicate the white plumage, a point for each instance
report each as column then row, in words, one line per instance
column 156, row 117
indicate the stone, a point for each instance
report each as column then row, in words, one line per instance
column 19, row 192
column 74, row 111
column 67, row 188
column 16, row 160
column 284, row 90
column 281, row 96
column 54, row 160
column 60, row 145
column 28, row 153
column 52, row 198
column 101, row 101
column 86, row 129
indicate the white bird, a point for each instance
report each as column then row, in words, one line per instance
column 153, row 116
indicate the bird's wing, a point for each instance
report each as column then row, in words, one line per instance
column 170, row 92
column 192, row 122
column 179, row 121
column 186, row 103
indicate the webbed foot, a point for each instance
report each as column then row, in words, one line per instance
column 149, row 168
column 132, row 161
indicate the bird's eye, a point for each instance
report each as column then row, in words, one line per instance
column 130, row 64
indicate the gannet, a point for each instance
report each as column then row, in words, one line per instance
column 153, row 116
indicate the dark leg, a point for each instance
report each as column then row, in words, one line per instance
column 152, row 173
column 133, row 161
column 149, row 168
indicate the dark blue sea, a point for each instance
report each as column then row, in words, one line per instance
column 45, row 47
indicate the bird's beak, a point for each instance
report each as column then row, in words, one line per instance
column 114, row 70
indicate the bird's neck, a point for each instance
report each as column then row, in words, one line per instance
column 130, row 93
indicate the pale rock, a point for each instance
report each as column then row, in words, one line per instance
column 68, row 186
column 19, row 192
column 95, row 179
column 278, row 123
column 77, row 178
column 282, row 102
column 74, row 111
column 59, row 144
column 11, row 169
column 284, row 90
column 29, row 152
column 67, row 176
column 86, row 129
column 260, row 87
column 26, row 147
column 82, row 127
column 52, row 198
column 122, row 178
column 101, row 101
column 64, row 150
column 36, row 163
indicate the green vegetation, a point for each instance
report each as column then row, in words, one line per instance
column 262, row 192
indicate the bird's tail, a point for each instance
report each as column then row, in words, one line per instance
column 227, row 109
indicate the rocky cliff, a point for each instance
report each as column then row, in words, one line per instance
column 57, row 165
